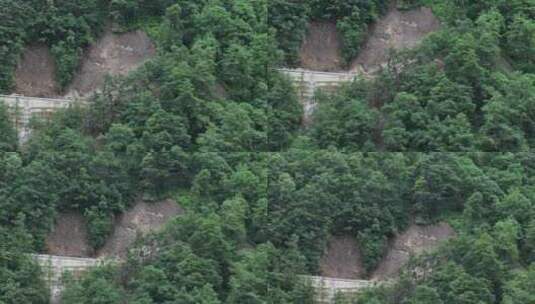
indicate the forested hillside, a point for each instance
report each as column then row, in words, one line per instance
column 188, row 124
column 65, row 26
column 443, row 133
column 467, row 87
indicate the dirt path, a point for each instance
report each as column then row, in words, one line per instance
column 35, row 73
column 114, row 54
column 342, row 259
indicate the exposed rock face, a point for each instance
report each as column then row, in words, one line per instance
column 69, row 236
column 415, row 240
column 138, row 221
column 396, row 30
column 342, row 259
column 113, row 54
column 35, row 73
column 69, row 239
column 321, row 48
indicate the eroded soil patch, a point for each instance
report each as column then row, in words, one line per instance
column 342, row 259
column 415, row 240
column 321, row 48
column 35, row 73
column 69, row 236
column 114, row 54
column 138, row 221
column 396, row 30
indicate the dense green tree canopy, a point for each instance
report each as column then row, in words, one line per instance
column 211, row 124
column 467, row 87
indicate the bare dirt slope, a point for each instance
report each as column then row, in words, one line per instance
column 137, row 221
column 416, row 239
column 396, row 30
column 35, row 73
column 114, row 54
column 320, row 50
column 69, row 236
column 342, row 259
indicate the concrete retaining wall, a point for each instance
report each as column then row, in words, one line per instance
column 23, row 108
column 327, row 288
column 307, row 82
column 55, row 266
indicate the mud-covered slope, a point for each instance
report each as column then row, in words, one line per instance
column 113, row 54
column 321, row 48
column 415, row 240
column 342, row 259
column 69, row 236
column 35, row 73
column 138, row 221
column 396, row 30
